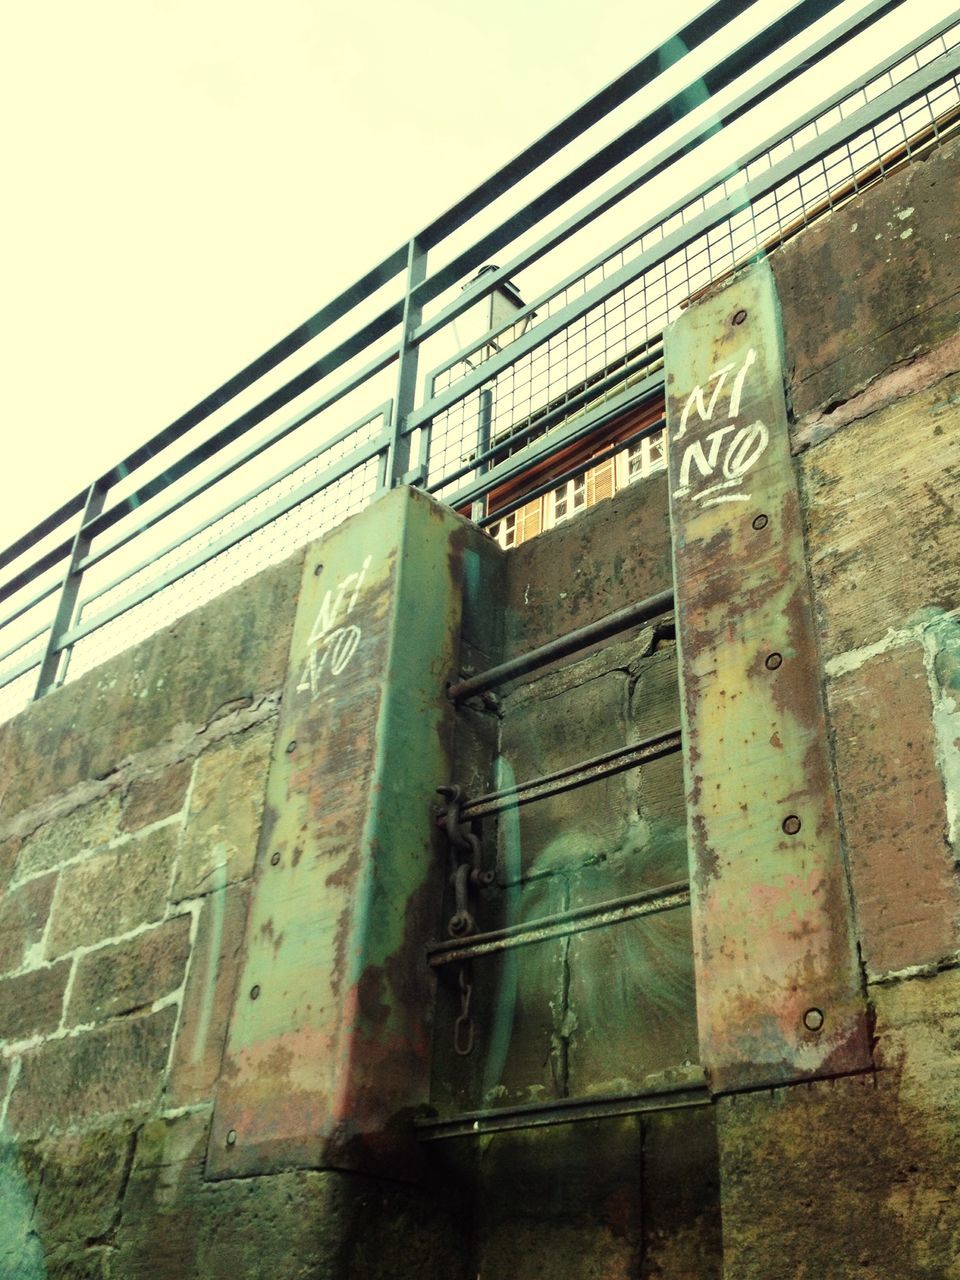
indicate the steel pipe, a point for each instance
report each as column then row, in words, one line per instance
column 592, row 633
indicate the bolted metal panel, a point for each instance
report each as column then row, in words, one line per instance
column 779, row 994
column 327, row 1050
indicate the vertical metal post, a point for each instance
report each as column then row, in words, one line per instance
column 479, row 509
column 70, row 590
column 400, row 470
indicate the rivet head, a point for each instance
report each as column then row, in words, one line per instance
column 813, row 1019
column 254, row 991
column 791, row 824
column 739, row 316
column 760, row 522
column 773, row 660
column 291, row 747
column 274, row 859
column 231, row 1138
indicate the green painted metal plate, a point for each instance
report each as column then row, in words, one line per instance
column 779, row 993
column 328, row 1046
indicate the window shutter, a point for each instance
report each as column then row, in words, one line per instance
column 600, row 483
column 529, row 522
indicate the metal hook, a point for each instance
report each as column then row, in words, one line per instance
column 463, row 1027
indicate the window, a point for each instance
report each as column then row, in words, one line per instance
column 642, row 459
column 567, row 499
column 505, row 531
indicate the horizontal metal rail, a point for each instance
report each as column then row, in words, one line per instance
column 707, row 83
column 223, row 543
column 577, row 920
column 592, row 633
column 373, row 332
column 540, row 1115
column 248, row 455
column 604, row 765
column 718, row 213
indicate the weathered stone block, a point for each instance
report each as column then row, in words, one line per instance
column 157, row 796
column 87, row 828
column 893, row 804
column 918, row 1042
column 681, row 1197
column 79, row 1263
column 304, row 1224
column 86, row 1077
column 112, row 892
column 866, row 1171
column 9, row 852
column 23, row 918
column 21, row 1250
column 208, row 997
column 219, row 843
column 79, row 1192
column 234, row 647
column 871, row 285
column 874, row 561
column 612, row 555
column 549, row 1210
column 32, row 1002
column 130, row 975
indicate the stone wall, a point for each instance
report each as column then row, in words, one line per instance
column 866, row 1167
column 131, row 809
column 131, row 813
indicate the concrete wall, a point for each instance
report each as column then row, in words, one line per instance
column 131, row 816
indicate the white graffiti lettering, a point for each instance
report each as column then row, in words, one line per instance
column 733, row 450
column 333, row 642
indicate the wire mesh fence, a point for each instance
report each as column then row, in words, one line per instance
column 582, row 346
column 621, row 333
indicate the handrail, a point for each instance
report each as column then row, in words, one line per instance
column 66, row 578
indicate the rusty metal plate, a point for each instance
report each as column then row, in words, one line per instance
column 779, row 993
column 328, row 1045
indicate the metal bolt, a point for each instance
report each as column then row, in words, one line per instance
column 291, row 747
column 274, row 859
column 254, row 991
column 791, row 824
column 739, row 317
column 813, row 1019
column 760, row 522
column 773, row 660
column 231, row 1137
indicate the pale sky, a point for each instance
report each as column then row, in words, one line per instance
column 187, row 180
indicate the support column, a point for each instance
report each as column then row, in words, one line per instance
column 779, row 993
column 328, row 1046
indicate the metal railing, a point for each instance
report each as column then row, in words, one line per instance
column 190, row 513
